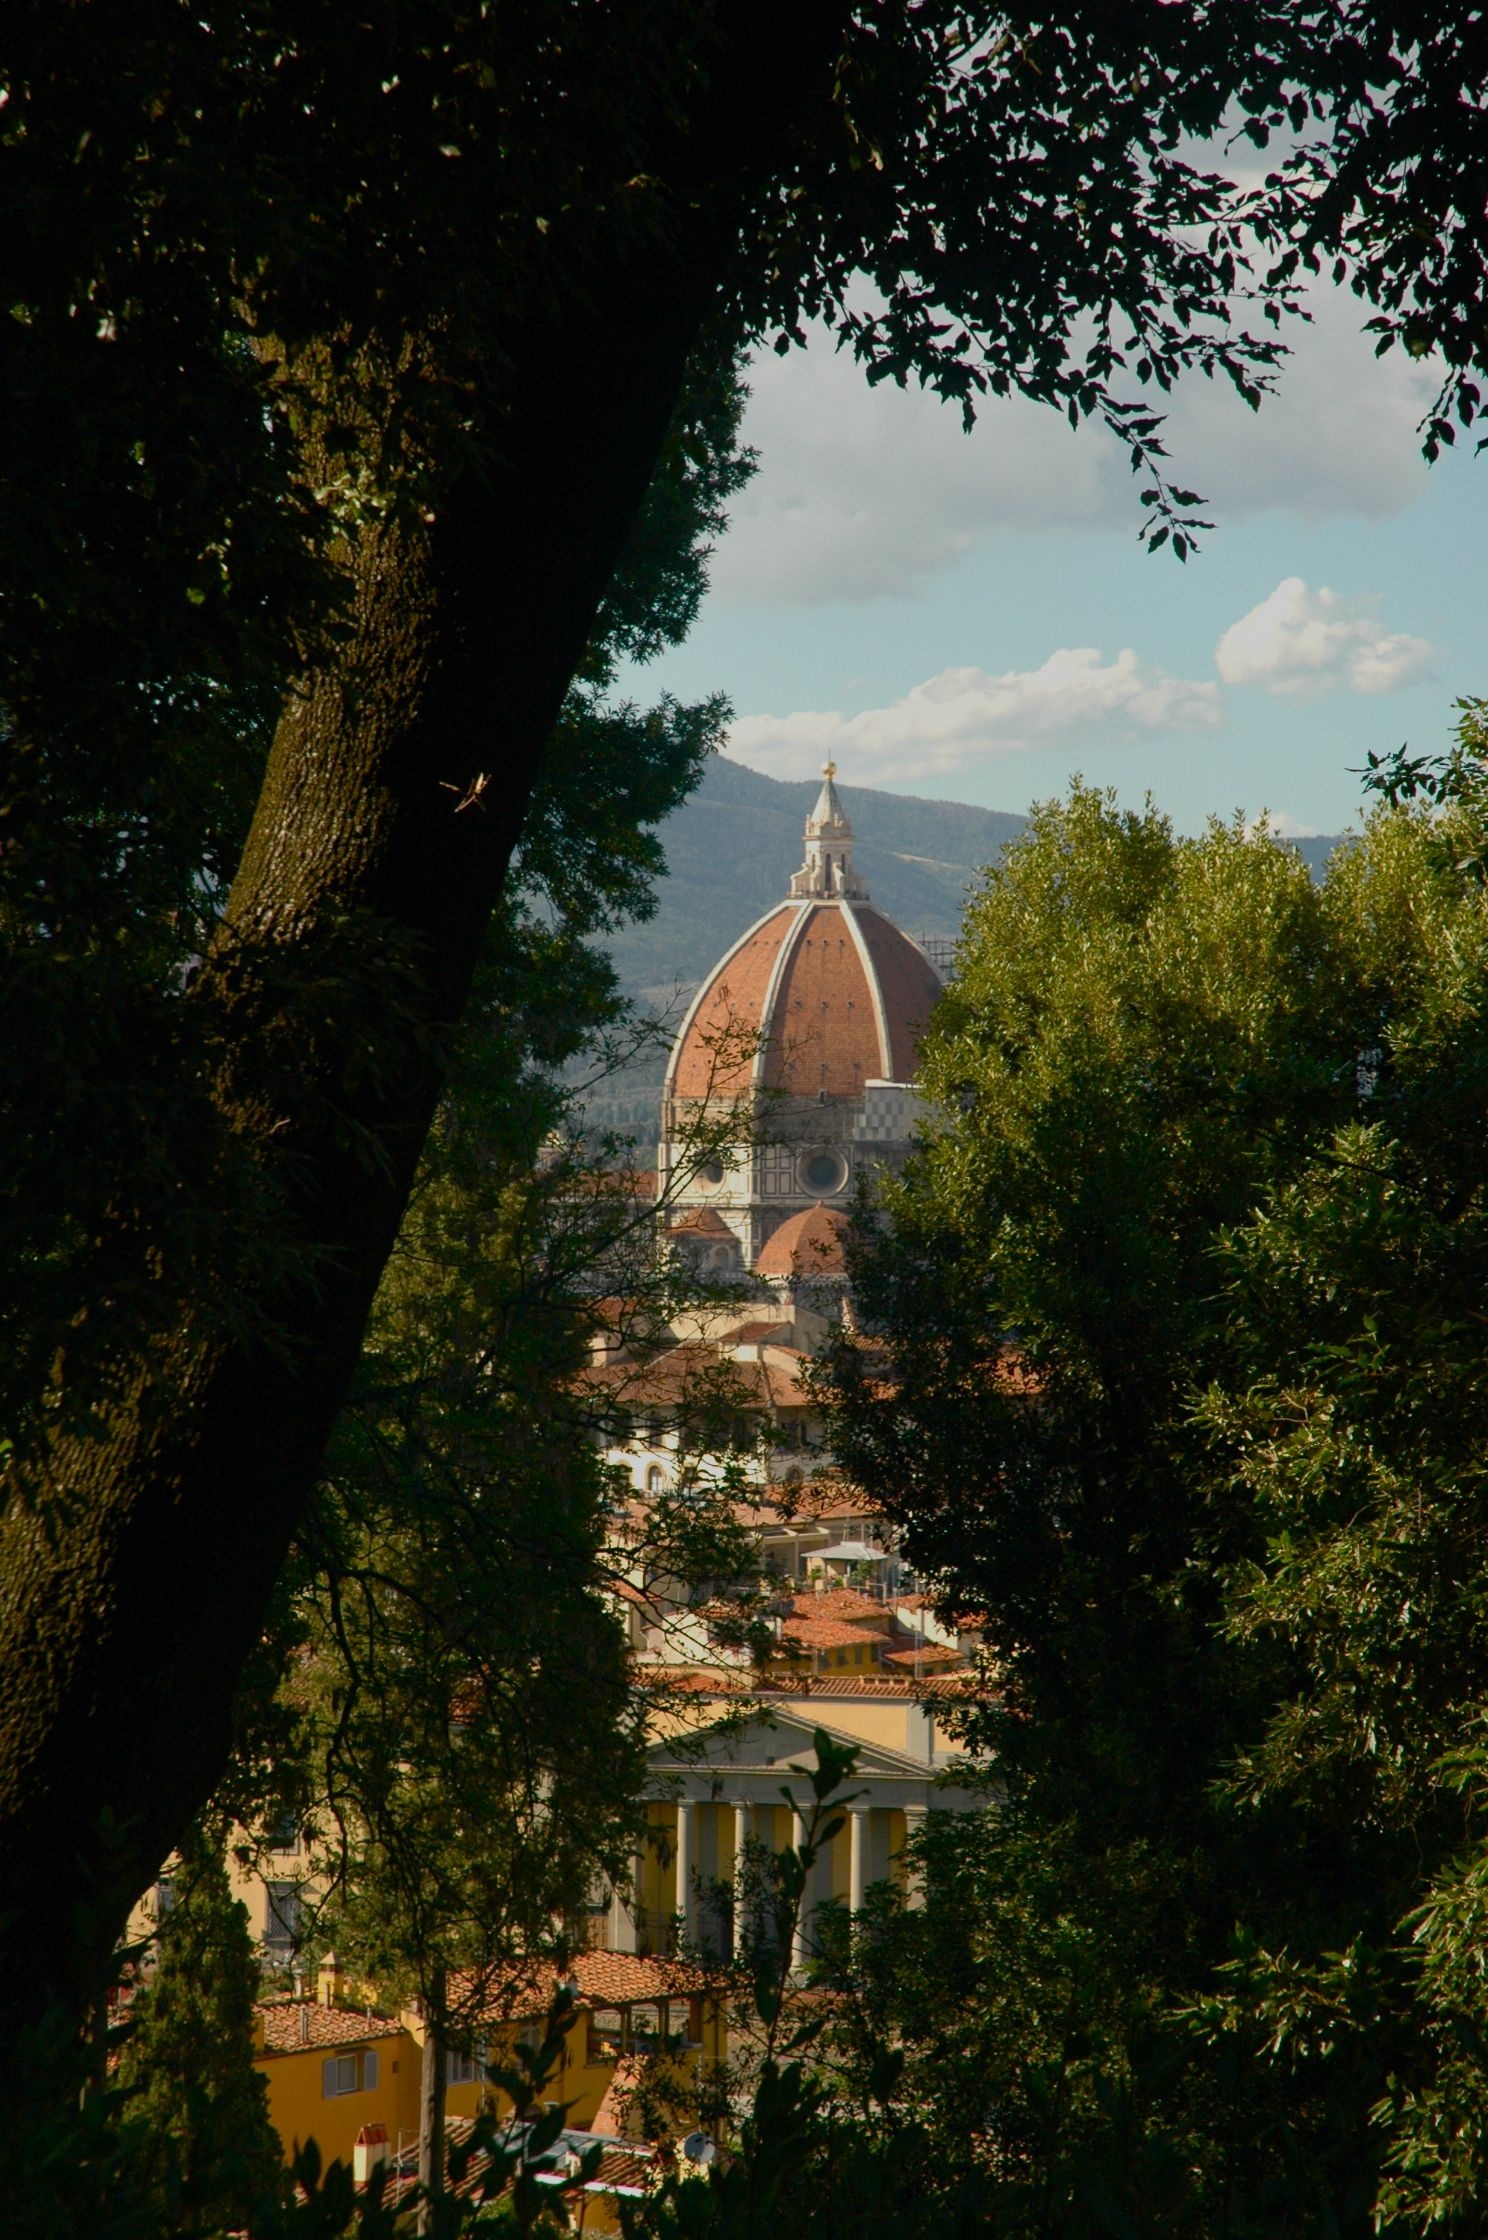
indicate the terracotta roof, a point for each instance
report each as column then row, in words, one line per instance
column 876, row 1686
column 608, row 1979
column 625, row 2166
column 292, row 2025
column 909, row 983
column 840, row 1602
column 698, row 1680
column 812, row 1503
column 681, row 1375
column 810, row 1243
column 602, row 1979
column 622, row 2169
column 715, row 1052
column 912, row 1660
column 822, row 1026
column 819, row 995
column 824, row 1633
column 701, row 1221
column 625, row 1317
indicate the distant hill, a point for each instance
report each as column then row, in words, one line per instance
column 732, row 847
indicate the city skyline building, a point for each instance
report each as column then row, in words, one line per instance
column 806, row 1032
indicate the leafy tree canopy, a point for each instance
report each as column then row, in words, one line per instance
column 344, row 350
column 1181, row 1391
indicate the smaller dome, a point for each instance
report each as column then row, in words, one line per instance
column 813, row 1243
column 702, row 1221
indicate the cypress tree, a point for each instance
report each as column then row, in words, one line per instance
column 197, row 2115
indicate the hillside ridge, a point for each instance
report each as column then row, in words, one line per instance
column 732, row 846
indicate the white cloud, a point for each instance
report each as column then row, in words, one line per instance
column 1282, row 825
column 869, row 492
column 964, row 716
column 1299, row 644
column 864, row 492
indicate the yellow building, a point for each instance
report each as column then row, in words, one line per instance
column 716, row 1780
column 334, row 2071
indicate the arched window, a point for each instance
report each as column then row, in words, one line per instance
column 655, row 1479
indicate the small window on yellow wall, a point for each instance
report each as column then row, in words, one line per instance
column 338, row 2076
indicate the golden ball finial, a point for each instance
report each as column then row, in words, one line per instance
column 829, row 769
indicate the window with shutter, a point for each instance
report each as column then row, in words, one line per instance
column 283, row 1923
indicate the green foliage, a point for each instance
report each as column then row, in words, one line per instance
column 1142, row 1032
column 1181, row 1391
column 197, row 2130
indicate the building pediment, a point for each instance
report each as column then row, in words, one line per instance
column 770, row 1742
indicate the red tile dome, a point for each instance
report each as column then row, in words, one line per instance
column 813, row 1243
column 819, row 995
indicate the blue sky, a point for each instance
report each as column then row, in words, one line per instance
column 973, row 618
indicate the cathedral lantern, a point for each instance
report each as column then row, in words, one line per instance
column 803, row 1039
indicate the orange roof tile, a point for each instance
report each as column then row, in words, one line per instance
column 292, row 2025
column 823, row 1633
column 840, row 1602
column 701, row 1221
column 715, row 1052
column 873, row 1686
column 815, row 1502
column 686, row 1373
column 615, row 1182
column 821, row 994
column 909, row 984
column 810, row 1243
column 601, row 1979
column 630, row 2169
column 822, row 1026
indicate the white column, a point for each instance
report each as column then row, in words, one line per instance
column 857, row 1855
column 803, row 1918
column 628, row 1914
column 741, row 1845
column 686, row 1861
column 914, row 1875
column 622, row 1930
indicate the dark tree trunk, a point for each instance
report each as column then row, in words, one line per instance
column 433, row 2078
column 135, row 1589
